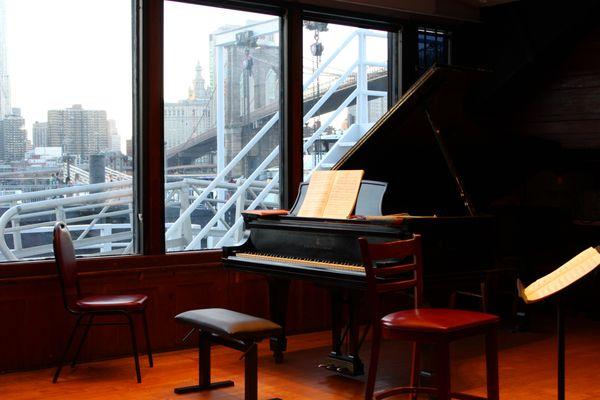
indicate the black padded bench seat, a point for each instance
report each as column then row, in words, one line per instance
column 220, row 321
column 231, row 329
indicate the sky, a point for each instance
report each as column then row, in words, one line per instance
column 67, row 52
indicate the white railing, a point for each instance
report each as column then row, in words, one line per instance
column 100, row 215
column 359, row 68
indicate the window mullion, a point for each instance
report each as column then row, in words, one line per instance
column 149, row 141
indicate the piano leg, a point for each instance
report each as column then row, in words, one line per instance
column 278, row 299
column 347, row 363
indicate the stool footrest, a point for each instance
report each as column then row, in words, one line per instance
column 200, row 388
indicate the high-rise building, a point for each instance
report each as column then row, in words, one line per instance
column 40, row 134
column 13, row 137
column 5, row 105
column 188, row 117
column 115, row 138
column 79, row 132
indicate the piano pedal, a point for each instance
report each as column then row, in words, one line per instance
column 329, row 367
column 425, row 374
column 343, row 365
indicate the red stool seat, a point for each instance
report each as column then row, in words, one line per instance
column 128, row 302
column 438, row 320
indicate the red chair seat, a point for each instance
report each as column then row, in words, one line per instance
column 436, row 320
column 128, row 302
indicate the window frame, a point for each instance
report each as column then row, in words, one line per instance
column 148, row 113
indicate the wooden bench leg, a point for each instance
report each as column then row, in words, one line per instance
column 251, row 373
column 204, row 382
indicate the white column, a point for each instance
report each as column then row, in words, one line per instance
column 220, row 111
column 362, row 101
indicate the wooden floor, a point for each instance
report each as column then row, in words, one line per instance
column 527, row 371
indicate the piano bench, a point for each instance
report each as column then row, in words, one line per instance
column 231, row 329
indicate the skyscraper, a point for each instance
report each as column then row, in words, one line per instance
column 40, row 134
column 5, row 106
column 191, row 116
column 78, row 131
column 13, row 137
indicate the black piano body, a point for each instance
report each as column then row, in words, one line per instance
column 409, row 168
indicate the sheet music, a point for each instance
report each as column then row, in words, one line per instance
column 317, row 194
column 344, row 192
column 576, row 268
column 331, row 194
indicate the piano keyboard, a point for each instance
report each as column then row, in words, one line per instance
column 303, row 262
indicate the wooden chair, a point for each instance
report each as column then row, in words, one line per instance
column 397, row 266
column 124, row 305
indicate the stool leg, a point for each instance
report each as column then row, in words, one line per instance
column 203, row 369
column 483, row 285
column 250, row 373
column 491, row 361
column 147, row 334
column 134, row 348
column 415, row 372
column 443, row 364
column 375, row 345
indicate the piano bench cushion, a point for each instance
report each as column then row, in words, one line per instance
column 221, row 321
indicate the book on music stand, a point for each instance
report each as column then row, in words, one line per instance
column 552, row 285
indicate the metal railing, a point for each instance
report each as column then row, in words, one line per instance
column 100, row 215
column 201, row 213
column 233, row 204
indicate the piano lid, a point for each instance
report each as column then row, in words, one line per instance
column 425, row 146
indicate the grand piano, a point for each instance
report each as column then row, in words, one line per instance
column 413, row 158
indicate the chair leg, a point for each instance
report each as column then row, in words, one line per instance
column 415, row 372
column 251, row 373
column 375, row 346
column 134, row 347
column 443, row 373
column 66, row 351
column 485, row 298
column 82, row 341
column 491, row 361
column 147, row 334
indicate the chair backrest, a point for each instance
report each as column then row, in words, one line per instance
column 64, row 253
column 392, row 267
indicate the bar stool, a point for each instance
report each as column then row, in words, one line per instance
column 396, row 266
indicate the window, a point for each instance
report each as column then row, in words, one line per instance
column 345, row 89
column 224, row 159
column 64, row 125
column 434, row 47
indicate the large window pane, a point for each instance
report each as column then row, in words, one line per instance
column 65, row 122
column 345, row 89
column 222, row 129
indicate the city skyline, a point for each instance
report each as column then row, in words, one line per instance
column 76, row 60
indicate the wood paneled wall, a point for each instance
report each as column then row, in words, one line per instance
column 566, row 107
column 35, row 326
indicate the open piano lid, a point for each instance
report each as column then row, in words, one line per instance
column 426, row 173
